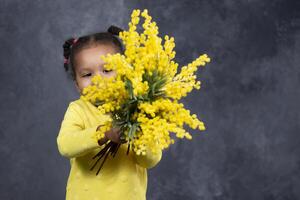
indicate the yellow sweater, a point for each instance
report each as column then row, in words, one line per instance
column 123, row 177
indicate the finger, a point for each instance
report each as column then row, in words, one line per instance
column 118, row 131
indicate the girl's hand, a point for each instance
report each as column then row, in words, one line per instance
column 113, row 135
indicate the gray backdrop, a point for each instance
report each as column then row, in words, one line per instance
column 249, row 98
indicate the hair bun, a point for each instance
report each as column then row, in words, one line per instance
column 114, row 30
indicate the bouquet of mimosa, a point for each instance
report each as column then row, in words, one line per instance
column 143, row 98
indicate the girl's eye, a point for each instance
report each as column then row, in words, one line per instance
column 86, row 75
column 107, row 70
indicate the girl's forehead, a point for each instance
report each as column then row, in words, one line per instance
column 90, row 57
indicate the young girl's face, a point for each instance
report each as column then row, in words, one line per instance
column 89, row 63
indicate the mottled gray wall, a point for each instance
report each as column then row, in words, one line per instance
column 249, row 98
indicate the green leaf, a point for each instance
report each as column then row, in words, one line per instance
column 129, row 88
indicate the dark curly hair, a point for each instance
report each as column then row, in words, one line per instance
column 73, row 45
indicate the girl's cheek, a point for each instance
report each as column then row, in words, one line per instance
column 86, row 83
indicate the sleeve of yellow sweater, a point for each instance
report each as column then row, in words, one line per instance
column 74, row 139
column 149, row 160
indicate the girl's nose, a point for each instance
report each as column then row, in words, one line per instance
column 97, row 73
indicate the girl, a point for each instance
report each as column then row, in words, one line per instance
column 123, row 176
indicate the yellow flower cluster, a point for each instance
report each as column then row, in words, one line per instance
column 113, row 96
column 103, row 128
column 166, row 116
column 157, row 116
column 185, row 81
